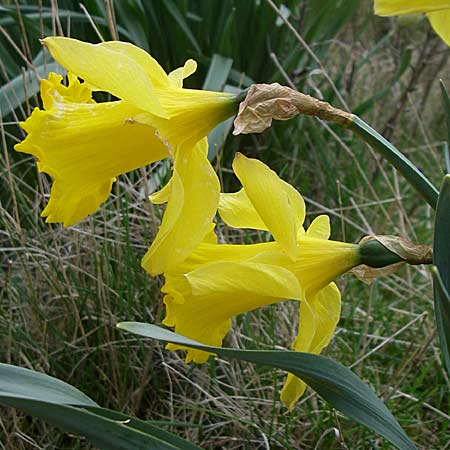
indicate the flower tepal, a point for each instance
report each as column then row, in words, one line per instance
column 217, row 282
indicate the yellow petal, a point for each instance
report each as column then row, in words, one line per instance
column 192, row 204
column 318, row 320
column 397, row 7
column 320, row 228
column 201, row 304
column 440, row 22
column 319, row 262
column 294, row 387
column 326, row 305
column 205, row 253
column 109, row 70
column 82, row 146
column 131, row 74
column 162, row 196
column 243, row 277
column 278, row 204
column 149, row 64
column 237, row 211
column 177, row 76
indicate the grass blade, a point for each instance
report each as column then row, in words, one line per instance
column 335, row 383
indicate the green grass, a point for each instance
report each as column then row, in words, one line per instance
column 63, row 290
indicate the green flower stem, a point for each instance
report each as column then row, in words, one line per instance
column 383, row 147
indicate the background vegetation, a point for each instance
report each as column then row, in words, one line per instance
column 63, row 290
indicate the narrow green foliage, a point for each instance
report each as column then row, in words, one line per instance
column 17, row 91
column 441, row 273
column 334, row 382
column 68, row 408
column 442, row 314
column 446, row 102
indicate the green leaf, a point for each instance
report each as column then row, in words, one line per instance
column 148, row 428
column 19, row 382
column 180, row 20
column 446, row 100
column 216, row 78
column 441, row 274
column 441, row 244
column 384, row 148
column 14, row 93
column 218, row 71
column 68, row 408
column 442, row 314
column 335, row 383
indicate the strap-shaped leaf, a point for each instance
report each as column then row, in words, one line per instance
column 68, row 408
column 28, row 384
column 446, row 101
column 442, row 314
column 334, row 382
column 441, row 274
column 16, row 91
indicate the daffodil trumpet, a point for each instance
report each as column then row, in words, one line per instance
column 437, row 11
column 84, row 145
column 217, row 282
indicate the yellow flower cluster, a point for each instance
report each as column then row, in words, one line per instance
column 85, row 145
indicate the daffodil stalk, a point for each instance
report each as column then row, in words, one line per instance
column 265, row 102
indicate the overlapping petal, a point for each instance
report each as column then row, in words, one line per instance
column 121, row 69
column 280, row 207
column 319, row 316
column 191, row 205
column 131, row 74
column 201, row 303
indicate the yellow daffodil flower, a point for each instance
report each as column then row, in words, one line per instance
column 219, row 281
column 437, row 11
column 85, row 145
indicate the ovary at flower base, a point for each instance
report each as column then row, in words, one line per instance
column 85, row 145
column 437, row 11
column 219, row 281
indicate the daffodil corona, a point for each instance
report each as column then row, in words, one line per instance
column 85, row 145
column 219, row 281
column 437, row 11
